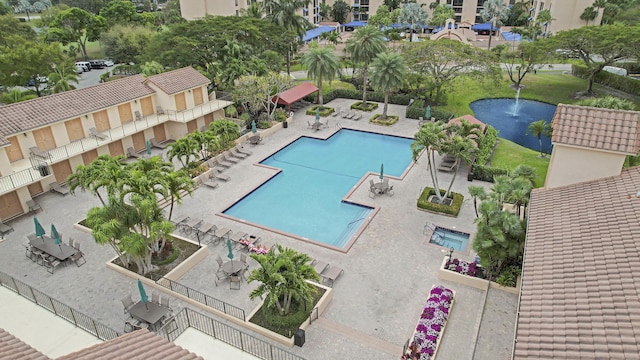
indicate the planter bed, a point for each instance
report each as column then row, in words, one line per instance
column 475, row 282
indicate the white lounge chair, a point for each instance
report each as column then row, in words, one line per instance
column 215, row 172
column 156, row 144
column 58, row 188
column 39, row 153
column 242, row 150
column 97, row 135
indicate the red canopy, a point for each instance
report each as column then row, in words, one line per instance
column 296, row 93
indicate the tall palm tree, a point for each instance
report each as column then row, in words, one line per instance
column 183, row 149
column 462, row 149
column 477, row 192
column 227, row 130
column 61, row 79
column 365, row 44
column 387, row 74
column 539, row 128
column 429, row 138
column 283, row 273
column 589, row 14
column 494, row 11
column 284, row 13
column 103, row 172
column 177, row 183
column 254, row 10
column 85, row 179
column 322, row 64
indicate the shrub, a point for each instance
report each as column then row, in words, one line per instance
column 246, row 118
column 418, row 110
column 453, row 209
column 508, row 276
column 397, row 99
column 360, row 106
column 324, row 110
column 626, row 84
column 280, row 115
column 231, row 111
column 487, row 173
column 388, row 121
column 289, row 322
column 486, row 146
column 263, row 124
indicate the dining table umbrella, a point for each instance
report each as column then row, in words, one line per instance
column 56, row 236
column 148, row 147
column 230, row 247
column 381, row 171
column 427, row 114
column 143, row 294
column 39, row 229
column 318, row 114
column 253, row 127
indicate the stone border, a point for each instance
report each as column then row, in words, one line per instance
column 474, row 282
column 321, row 305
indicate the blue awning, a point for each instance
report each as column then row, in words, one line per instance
column 511, row 36
column 356, row 24
column 440, row 28
column 314, row 33
column 483, row 27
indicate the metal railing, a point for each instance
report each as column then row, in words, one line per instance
column 27, row 176
column 220, row 331
column 60, row 309
column 203, row 298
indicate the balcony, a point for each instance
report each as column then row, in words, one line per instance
column 27, row 171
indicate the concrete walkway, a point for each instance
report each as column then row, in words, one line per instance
column 387, row 273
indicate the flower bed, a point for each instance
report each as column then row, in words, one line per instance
column 431, row 325
column 463, row 267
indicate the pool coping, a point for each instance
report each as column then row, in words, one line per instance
column 346, row 198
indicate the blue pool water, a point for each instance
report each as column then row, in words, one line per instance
column 499, row 113
column 305, row 198
column 450, row 238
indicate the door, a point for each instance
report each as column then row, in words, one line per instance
column 208, row 119
column 139, row 143
column 44, row 138
column 115, row 148
column 35, row 189
column 146, row 105
column 61, row 171
column 74, row 129
column 192, row 126
column 14, row 153
column 89, row 156
column 124, row 111
column 197, row 96
column 10, row 205
column 181, row 102
column 101, row 118
column 159, row 133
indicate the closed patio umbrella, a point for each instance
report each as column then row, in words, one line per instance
column 318, row 114
column 427, row 114
column 39, row 229
column 230, row 247
column 143, row 294
column 253, row 127
column 148, row 148
column 56, row 236
column 382, row 171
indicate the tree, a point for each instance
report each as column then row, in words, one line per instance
column 382, row 17
column 152, row 68
column 282, row 275
column 178, row 183
column 493, row 11
column 13, row 32
column 124, row 43
column 441, row 13
column 30, row 61
column 340, row 11
column 226, row 130
column 539, row 128
column 16, row 95
column 599, row 46
column 392, row 4
column 261, row 93
column 589, row 14
column 445, row 60
column 366, row 43
column 322, row 64
column 325, row 11
column 413, row 16
column 183, row 149
column 477, row 192
column 91, row 6
column 609, row 102
column 284, row 13
column 387, row 74
column 332, row 37
column 529, row 57
column 77, row 26
column 121, row 12
column 61, row 77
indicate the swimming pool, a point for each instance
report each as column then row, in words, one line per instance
column 305, row 198
column 450, row 238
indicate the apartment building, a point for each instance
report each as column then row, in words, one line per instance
column 566, row 13
column 43, row 140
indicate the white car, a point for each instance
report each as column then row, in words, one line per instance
column 108, row 62
column 79, row 69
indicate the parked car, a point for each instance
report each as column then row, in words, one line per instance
column 97, row 64
column 79, row 69
column 85, row 65
column 41, row 80
column 108, row 63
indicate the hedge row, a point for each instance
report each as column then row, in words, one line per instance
column 453, row 209
column 397, row 99
column 486, row 173
column 486, row 146
column 418, row 110
column 623, row 83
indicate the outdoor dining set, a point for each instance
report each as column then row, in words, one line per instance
column 50, row 251
column 146, row 314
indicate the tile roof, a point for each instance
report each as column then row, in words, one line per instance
column 296, row 93
column 13, row 348
column 140, row 344
column 176, row 81
column 580, row 295
column 470, row 119
column 604, row 129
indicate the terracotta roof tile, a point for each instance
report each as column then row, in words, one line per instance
column 594, row 128
column 176, row 81
column 13, row 348
column 140, row 344
column 580, row 298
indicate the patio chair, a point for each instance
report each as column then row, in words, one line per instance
column 235, row 282
column 127, row 302
column 138, row 115
column 357, row 116
column 319, row 266
column 234, row 152
column 55, row 187
column 325, row 124
column 220, row 263
column 390, row 190
column 372, row 189
column 71, row 242
column 255, row 140
column 222, row 162
column 335, row 113
column 156, row 144
column 164, row 301
column 242, row 150
column 191, row 225
column 208, row 181
column 76, row 245
column 227, row 156
column 220, row 275
column 131, row 153
column 51, row 264
column 78, row 258
column 159, row 110
column 332, row 274
column 218, row 175
column 33, row 205
column 5, row 229
column 155, row 297
column 181, row 220
column 351, row 114
column 308, row 125
column 238, row 236
column 205, row 228
column 344, row 114
column 220, row 233
column 97, row 135
column 245, row 264
column 28, row 253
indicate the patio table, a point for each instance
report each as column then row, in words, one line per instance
column 47, row 245
column 148, row 312
column 232, row 267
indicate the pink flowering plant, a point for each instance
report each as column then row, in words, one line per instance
column 463, row 267
column 434, row 315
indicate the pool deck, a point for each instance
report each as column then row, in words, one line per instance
column 388, row 271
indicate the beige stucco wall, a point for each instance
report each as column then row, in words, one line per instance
column 566, row 13
column 571, row 165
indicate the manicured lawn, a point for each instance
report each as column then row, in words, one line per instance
column 508, row 155
column 329, row 86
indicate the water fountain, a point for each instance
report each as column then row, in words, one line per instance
column 516, row 106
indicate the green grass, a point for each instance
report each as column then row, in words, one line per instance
column 330, row 86
column 508, row 155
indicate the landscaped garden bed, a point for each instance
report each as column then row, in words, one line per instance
column 369, row 107
column 462, row 272
column 431, row 325
column 425, row 202
column 324, row 110
column 386, row 121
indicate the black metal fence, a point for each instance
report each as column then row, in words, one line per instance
column 220, row 331
column 60, row 309
column 203, row 298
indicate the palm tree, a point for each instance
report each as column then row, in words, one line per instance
column 468, row 130
column 429, row 138
column 226, row 130
column 494, row 11
column 15, row 95
column 412, row 15
column 366, row 43
column 339, row 11
column 104, row 172
column 283, row 273
column 387, row 74
column 462, row 149
column 284, row 13
column 322, row 64
column 61, row 79
column 183, row 148
column 539, row 128
column 477, row 192
column 85, row 178
column 254, row 10
column 589, row 14
column 525, row 171
column 177, row 183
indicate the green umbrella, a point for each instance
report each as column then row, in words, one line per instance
column 148, row 148
column 56, row 237
column 230, row 247
column 253, row 127
column 39, row 228
column 318, row 114
column 381, row 171
column 143, row 294
column 427, row 114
